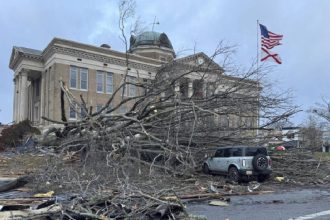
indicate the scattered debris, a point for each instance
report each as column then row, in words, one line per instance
column 300, row 167
column 213, row 189
column 31, row 213
column 279, row 178
column 218, row 203
column 197, row 217
column 253, row 186
column 44, row 195
column 10, row 183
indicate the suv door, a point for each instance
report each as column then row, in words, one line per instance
column 226, row 160
column 236, row 157
column 215, row 163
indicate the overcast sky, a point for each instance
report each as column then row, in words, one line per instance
column 188, row 23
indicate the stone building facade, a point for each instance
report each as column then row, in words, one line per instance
column 94, row 73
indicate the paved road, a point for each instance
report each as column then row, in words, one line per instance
column 298, row 204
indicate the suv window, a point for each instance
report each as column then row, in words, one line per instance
column 237, row 152
column 252, row 151
column 227, row 152
column 219, row 153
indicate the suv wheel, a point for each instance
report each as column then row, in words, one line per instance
column 260, row 162
column 233, row 174
column 206, row 169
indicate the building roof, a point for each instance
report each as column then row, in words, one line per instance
column 28, row 50
column 150, row 38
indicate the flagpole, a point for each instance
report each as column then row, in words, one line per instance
column 257, row 47
column 258, row 79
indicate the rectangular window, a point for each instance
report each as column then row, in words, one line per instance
column 224, row 121
column 83, row 79
column 98, row 107
column 122, row 109
column 131, row 89
column 73, row 77
column 252, row 151
column 237, row 152
column 83, row 113
column 226, row 153
column 73, row 114
column 219, row 153
column 198, row 91
column 99, row 81
column 109, row 83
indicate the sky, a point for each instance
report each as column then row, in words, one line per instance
column 191, row 25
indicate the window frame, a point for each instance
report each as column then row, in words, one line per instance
column 235, row 150
column 76, row 76
column 75, row 112
column 107, row 76
column 129, row 87
column 80, row 79
column 122, row 109
column 99, row 107
column 99, row 73
column 82, row 113
column 218, row 153
column 227, row 152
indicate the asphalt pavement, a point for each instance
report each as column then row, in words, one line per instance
column 295, row 204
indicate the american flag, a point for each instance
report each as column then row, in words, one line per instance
column 268, row 41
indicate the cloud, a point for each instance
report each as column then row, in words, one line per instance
column 188, row 23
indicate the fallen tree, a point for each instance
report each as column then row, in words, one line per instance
column 173, row 121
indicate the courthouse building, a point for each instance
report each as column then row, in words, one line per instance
column 94, row 72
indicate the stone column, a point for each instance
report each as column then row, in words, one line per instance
column 42, row 95
column 18, row 103
column 15, row 100
column 24, row 97
column 190, row 88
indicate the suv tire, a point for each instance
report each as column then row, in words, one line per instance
column 206, row 169
column 260, row 162
column 233, row 174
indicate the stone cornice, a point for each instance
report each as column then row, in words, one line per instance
column 85, row 51
column 97, row 57
column 17, row 57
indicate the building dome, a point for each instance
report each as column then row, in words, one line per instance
column 150, row 38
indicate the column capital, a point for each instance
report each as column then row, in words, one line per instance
column 24, row 72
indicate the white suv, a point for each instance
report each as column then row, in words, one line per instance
column 239, row 161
